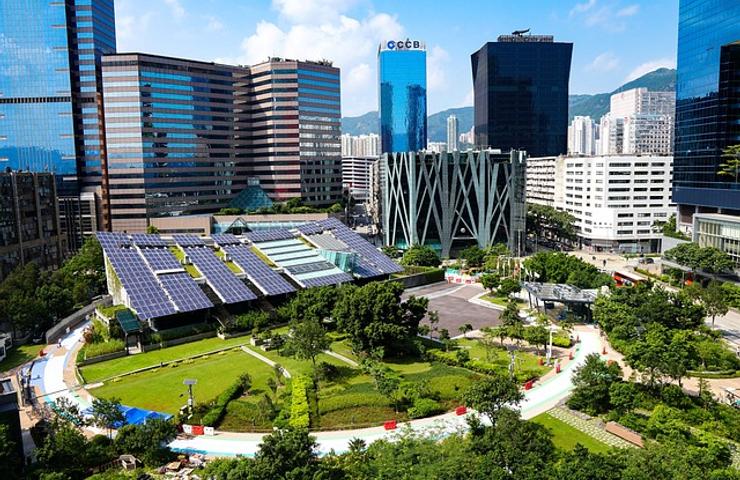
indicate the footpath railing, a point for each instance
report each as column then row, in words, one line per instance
column 53, row 334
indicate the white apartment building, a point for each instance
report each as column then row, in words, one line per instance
column 356, row 176
column 639, row 122
column 452, row 126
column 616, row 199
column 582, row 133
column 437, row 147
column 360, row 145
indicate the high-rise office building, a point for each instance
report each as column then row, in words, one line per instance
column 452, row 127
column 50, row 96
column 291, row 128
column 402, row 74
column 521, row 94
column 707, row 108
column 356, row 176
column 582, row 136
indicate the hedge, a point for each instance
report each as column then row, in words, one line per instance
column 217, row 411
column 181, row 332
column 299, row 417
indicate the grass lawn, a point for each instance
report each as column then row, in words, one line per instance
column 100, row 371
column 566, row 437
column 500, row 357
column 341, row 346
column 19, row 355
column 501, row 301
column 180, row 255
column 160, row 389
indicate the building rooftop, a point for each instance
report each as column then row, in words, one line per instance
column 718, row 216
column 6, row 387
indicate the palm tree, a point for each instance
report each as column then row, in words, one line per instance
column 464, row 329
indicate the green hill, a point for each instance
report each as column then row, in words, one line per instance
column 662, row 80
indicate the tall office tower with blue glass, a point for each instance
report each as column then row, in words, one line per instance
column 707, row 108
column 402, row 75
column 50, row 98
column 185, row 137
column 520, row 85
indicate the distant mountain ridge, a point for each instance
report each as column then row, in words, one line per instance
column 594, row 106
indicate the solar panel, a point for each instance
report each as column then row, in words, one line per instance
column 310, row 228
column 112, row 239
column 218, row 276
column 266, row 279
column 187, row 240
column 373, row 259
column 270, row 235
column 160, row 259
column 148, row 240
column 148, row 299
column 309, row 267
column 184, row 292
column 327, row 280
column 222, row 239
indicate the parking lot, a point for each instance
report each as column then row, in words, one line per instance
column 451, row 301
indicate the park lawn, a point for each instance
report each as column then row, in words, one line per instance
column 17, row 356
column 341, row 346
column 294, row 365
column 500, row 356
column 160, row 389
column 566, row 437
column 501, row 301
column 100, row 371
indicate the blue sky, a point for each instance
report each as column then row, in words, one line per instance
column 614, row 40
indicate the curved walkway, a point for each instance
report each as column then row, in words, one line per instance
column 53, row 380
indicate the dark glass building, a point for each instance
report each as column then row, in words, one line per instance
column 50, row 91
column 402, row 74
column 521, row 94
column 707, row 106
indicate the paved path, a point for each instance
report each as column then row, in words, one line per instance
column 589, row 427
column 452, row 302
column 263, row 358
column 342, row 358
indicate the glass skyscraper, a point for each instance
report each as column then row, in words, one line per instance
column 707, row 106
column 402, row 74
column 521, row 94
column 50, row 95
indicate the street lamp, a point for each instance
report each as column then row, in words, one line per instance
column 549, row 345
column 190, row 382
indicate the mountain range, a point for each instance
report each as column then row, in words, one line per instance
column 595, row 106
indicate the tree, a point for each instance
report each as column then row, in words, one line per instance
column 490, row 281
column 537, row 335
column 63, row 450
column 464, row 329
column 731, row 165
column 313, row 304
column 420, row 256
column 148, row 441
column 107, row 413
column 544, row 221
column 473, row 256
column 286, row 454
column 714, row 300
column 444, row 337
column 433, row 318
column 558, row 267
column 510, row 316
column 623, row 396
column 707, row 259
column 592, row 381
column 152, row 229
column 375, row 317
column 680, row 355
column 391, row 251
column 308, row 339
column 508, row 286
column 11, row 465
column 489, row 395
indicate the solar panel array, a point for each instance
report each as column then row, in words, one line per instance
column 310, row 228
column 372, row 259
column 309, row 267
column 160, row 259
column 218, row 276
column 222, row 239
column 187, row 240
column 148, row 240
column 327, row 280
column 270, row 235
column 112, row 239
column 266, row 279
column 184, row 292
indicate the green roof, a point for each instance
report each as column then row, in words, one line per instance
column 127, row 321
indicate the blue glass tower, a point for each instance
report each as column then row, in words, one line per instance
column 707, row 106
column 402, row 74
column 50, row 87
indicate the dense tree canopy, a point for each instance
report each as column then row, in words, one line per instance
column 707, row 259
column 420, row 256
column 546, row 221
column 558, row 267
column 375, row 317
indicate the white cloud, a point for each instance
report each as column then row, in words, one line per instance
column 350, row 43
column 629, row 11
column 437, row 57
column 311, row 11
column 647, row 67
column 131, row 22
column 605, row 62
column 214, row 25
column 176, row 8
column 582, row 7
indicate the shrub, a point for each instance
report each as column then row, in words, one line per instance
column 420, row 255
column 508, row 286
column 235, row 390
column 254, row 320
column 181, row 332
column 299, row 417
column 104, row 348
column 424, row 407
column 327, row 372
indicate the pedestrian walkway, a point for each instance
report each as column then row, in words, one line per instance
column 589, row 427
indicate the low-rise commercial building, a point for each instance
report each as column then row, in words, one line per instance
column 453, row 200
column 616, row 199
column 720, row 231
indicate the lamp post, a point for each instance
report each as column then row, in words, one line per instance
column 549, row 345
column 191, row 401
